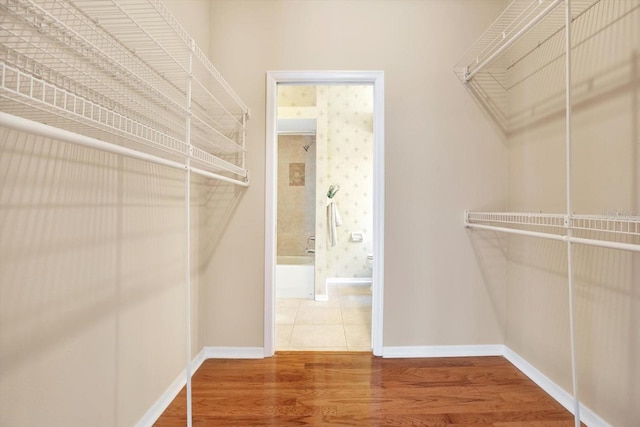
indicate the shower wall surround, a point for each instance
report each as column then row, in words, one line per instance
column 296, row 194
column 344, row 156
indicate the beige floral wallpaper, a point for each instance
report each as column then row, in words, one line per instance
column 350, row 165
column 344, row 157
column 296, row 96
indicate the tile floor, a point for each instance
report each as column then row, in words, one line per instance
column 341, row 324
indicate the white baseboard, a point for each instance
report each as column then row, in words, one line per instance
column 233, row 352
column 349, row 280
column 563, row 397
column 163, row 402
column 198, row 361
column 443, row 351
column 324, row 297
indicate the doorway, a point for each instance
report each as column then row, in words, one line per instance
column 373, row 81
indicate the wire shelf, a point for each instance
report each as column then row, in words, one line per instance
column 623, row 225
column 524, row 26
column 516, row 218
column 119, row 70
column 616, row 231
column 524, row 50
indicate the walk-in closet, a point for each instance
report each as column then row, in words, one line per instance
column 137, row 212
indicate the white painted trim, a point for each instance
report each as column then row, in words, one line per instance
column 377, row 304
column 270, row 216
column 324, row 297
column 198, row 360
column 156, row 410
column 443, row 351
column 375, row 78
column 563, row 397
column 163, row 402
column 234, row 353
column 349, row 280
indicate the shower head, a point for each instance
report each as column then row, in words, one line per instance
column 306, row 147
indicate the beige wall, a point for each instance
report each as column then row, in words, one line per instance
column 193, row 15
column 92, row 284
column 442, row 157
column 606, row 161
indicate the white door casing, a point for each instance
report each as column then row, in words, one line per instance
column 376, row 79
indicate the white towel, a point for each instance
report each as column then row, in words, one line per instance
column 333, row 221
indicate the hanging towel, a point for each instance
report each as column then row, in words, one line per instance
column 333, row 221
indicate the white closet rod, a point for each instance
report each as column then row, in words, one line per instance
column 33, row 127
column 559, row 237
column 506, row 45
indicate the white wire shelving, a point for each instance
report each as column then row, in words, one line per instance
column 122, row 76
column 528, row 39
column 524, row 27
column 532, row 39
column 123, row 72
column 609, row 231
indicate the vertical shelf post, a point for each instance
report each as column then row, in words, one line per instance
column 244, row 135
column 570, row 276
column 188, row 234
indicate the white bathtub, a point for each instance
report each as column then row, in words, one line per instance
column 295, row 277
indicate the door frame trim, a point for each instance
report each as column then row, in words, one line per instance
column 376, row 79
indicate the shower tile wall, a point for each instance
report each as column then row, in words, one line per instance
column 296, row 214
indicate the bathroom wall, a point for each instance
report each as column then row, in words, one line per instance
column 296, row 194
column 350, row 165
column 297, row 96
column 306, row 102
column 345, row 158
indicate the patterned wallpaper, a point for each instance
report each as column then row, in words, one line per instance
column 344, row 156
column 296, row 96
column 350, row 165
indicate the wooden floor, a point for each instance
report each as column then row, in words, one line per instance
column 347, row 389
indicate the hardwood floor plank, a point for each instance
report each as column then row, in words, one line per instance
column 516, row 416
column 357, row 389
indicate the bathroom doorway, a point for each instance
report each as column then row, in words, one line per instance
column 324, row 211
